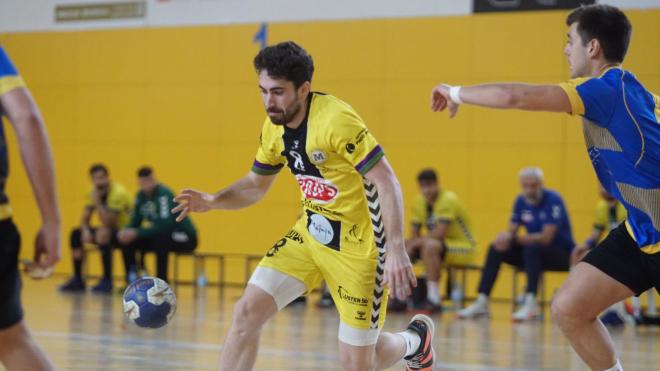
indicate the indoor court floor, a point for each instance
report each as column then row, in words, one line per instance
column 88, row 332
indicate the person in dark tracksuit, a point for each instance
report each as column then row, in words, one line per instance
column 153, row 228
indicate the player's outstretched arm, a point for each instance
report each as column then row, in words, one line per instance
column 243, row 193
column 551, row 98
column 38, row 161
column 398, row 269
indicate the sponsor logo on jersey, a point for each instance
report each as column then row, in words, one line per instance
column 318, row 157
column 317, row 189
column 321, row 229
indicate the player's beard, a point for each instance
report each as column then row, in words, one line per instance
column 284, row 116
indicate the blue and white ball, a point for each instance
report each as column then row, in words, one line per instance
column 149, row 302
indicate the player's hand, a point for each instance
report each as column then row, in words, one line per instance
column 440, row 100
column 503, row 240
column 578, row 253
column 47, row 251
column 190, row 200
column 86, row 236
column 128, row 235
column 399, row 275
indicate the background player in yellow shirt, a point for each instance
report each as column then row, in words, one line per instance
column 449, row 235
column 112, row 204
column 608, row 215
column 351, row 203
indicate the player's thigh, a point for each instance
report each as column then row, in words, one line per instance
column 587, row 292
column 355, row 283
column 288, row 269
column 10, row 284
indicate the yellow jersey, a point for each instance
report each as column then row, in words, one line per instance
column 117, row 200
column 606, row 217
column 329, row 154
column 446, row 209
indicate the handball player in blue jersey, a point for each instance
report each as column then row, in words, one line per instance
column 622, row 134
column 18, row 351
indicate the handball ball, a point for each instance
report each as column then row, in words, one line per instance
column 149, row 302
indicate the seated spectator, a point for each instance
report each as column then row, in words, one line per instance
column 608, row 215
column 112, row 204
column 547, row 245
column 448, row 237
column 153, row 228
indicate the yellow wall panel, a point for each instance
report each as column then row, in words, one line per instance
column 112, row 56
column 58, row 56
column 110, row 114
column 184, row 55
column 176, row 112
column 438, row 49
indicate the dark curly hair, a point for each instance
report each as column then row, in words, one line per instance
column 605, row 23
column 286, row 60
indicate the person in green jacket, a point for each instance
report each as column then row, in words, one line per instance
column 152, row 226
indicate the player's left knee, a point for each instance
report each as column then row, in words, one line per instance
column 564, row 312
column 432, row 247
column 361, row 362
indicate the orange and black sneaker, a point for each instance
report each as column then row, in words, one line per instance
column 424, row 358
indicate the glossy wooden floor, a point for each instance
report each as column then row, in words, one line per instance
column 88, row 332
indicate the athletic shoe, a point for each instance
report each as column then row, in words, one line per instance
column 103, row 287
column 527, row 312
column 612, row 318
column 395, row 305
column 75, row 284
column 477, row 309
column 424, row 358
column 325, row 301
column 426, row 307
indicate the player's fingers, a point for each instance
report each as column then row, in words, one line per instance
column 411, row 277
column 183, row 214
column 402, row 288
column 183, row 197
column 405, row 283
column 179, row 207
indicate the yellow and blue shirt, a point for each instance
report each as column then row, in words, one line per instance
column 329, row 153
column 9, row 80
column 621, row 121
column 447, row 208
column 117, row 200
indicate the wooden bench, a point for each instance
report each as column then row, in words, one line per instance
column 199, row 261
column 462, row 269
column 540, row 291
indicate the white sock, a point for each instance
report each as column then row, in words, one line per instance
column 433, row 292
column 617, row 367
column 530, row 299
column 412, row 340
column 482, row 299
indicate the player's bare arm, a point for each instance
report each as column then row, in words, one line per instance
column 243, row 193
column 551, row 98
column 38, row 161
column 398, row 269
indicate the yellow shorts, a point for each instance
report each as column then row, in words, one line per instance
column 352, row 278
column 459, row 253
